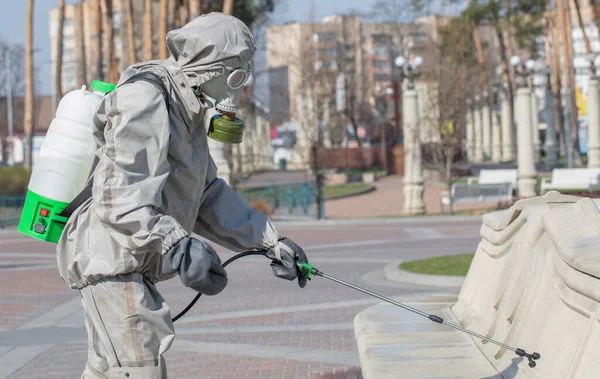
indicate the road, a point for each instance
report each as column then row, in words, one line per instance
column 258, row 327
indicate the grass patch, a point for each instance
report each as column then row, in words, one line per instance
column 455, row 265
column 345, row 189
column 377, row 172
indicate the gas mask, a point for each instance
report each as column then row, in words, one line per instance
column 226, row 90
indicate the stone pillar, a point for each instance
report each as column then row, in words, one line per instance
column 496, row 136
column 594, row 122
column 525, row 158
column 486, row 129
column 551, row 140
column 470, row 137
column 508, row 140
column 478, row 134
column 535, row 129
column 217, row 151
column 413, row 184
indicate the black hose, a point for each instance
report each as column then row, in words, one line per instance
column 234, row 258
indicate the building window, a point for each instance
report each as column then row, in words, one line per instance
column 68, row 22
column 382, row 77
column 68, row 52
column 380, row 50
column 381, row 64
column 68, row 38
column 381, row 38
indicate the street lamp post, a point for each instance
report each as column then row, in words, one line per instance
column 525, row 154
column 413, row 182
column 551, row 140
column 470, row 132
column 486, row 123
column 594, row 118
column 496, row 133
column 478, row 131
column 508, row 135
column 9, row 110
column 530, row 65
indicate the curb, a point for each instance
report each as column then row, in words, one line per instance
column 368, row 190
column 382, row 220
column 395, row 274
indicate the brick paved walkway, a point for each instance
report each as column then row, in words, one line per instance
column 258, row 327
column 388, row 200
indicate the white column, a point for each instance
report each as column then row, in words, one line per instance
column 486, row 129
column 413, row 172
column 551, row 139
column 508, row 140
column 496, row 142
column 470, row 137
column 525, row 156
column 535, row 129
column 478, row 133
column 594, row 123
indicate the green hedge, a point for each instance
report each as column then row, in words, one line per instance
column 14, row 180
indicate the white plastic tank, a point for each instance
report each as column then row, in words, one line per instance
column 61, row 170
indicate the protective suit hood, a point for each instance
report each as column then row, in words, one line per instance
column 210, row 46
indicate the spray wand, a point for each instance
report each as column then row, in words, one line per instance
column 308, row 271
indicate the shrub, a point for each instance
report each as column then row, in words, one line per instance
column 14, row 180
column 263, row 207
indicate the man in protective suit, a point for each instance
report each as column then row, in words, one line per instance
column 153, row 184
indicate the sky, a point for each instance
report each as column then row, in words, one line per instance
column 12, row 25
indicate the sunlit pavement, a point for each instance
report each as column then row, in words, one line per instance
column 258, row 327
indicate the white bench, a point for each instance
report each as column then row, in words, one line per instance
column 491, row 185
column 572, row 179
column 533, row 284
column 495, row 176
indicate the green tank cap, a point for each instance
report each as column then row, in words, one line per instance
column 100, row 86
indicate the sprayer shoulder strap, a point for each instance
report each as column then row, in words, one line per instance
column 86, row 194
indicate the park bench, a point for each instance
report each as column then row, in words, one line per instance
column 533, row 284
column 586, row 179
column 491, row 185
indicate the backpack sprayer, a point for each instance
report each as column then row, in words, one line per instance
column 309, row 271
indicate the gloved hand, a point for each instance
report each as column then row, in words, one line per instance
column 198, row 265
column 285, row 255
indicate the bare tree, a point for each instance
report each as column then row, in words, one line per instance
column 162, row 30
column 111, row 58
column 175, row 14
column 81, row 52
column 228, row 6
column 130, row 31
column 59, row 51
column 148, row 30
column 95, row 14
column 29, row 122
column 554, row 58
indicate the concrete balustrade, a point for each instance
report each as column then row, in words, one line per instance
column 534, row 284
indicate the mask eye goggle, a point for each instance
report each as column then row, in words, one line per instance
column 238, row 77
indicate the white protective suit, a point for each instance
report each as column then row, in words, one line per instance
column 154, row 183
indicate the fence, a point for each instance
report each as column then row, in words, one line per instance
column 293, row 199
column 10, row 210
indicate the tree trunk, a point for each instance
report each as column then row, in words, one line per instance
column 130, row 31
column 59, row 53
column 556, row 82
column 504, row 62
column 595, row 12
column 82, row 67
column 185, row 14
column 563, row 17
column 509, row 47
column 228, row 6
column 28, row 122
column 123, row 52
column 588, row 46
column 111, row 59
column 148, row 30
column 96, row 37
column 480, row 56
column 162, row 29
column 175, row 13
column 201, row 7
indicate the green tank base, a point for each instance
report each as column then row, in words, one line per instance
column 40, row 218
